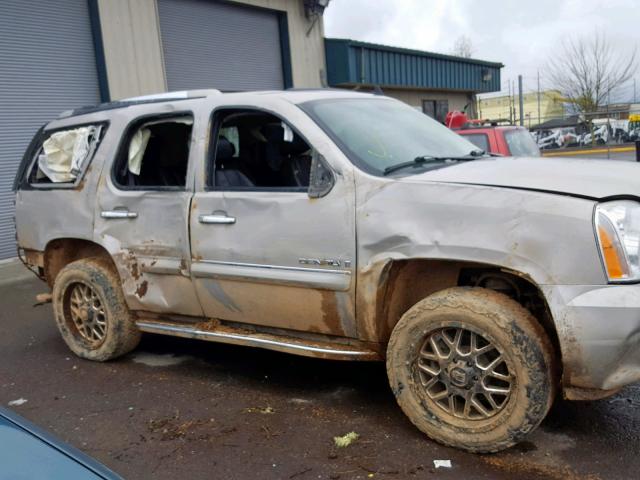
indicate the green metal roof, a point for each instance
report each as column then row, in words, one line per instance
column 351, row 63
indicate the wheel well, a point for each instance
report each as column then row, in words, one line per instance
column 409, row 281
column 62, row 251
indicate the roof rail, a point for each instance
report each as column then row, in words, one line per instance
column 127, row 102
column 177, row 95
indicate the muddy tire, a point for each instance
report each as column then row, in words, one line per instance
column 91, row 312
column 472, row 369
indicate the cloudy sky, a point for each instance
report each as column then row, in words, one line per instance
column 520, row 34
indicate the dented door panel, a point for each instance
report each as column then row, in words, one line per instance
column 151, row 251
column 250, row 271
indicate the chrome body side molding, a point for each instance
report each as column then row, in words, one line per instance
column 323, row 278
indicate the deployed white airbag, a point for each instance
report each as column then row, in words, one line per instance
column 64, row 154
column 136, row 149
column 140, row 139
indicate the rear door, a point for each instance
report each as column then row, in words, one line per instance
column 143, row 203
column 274, row 255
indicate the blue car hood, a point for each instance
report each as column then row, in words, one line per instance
column 29, row 453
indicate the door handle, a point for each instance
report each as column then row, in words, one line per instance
column 118, row 213
column 217, row 218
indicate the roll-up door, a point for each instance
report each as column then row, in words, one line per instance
column 210, row 44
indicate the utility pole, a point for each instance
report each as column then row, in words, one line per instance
column 510, row 115
column 513, row 99
column 521, row 100
column 634, row 91
column 539, row 121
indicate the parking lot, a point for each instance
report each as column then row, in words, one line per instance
column 202, row 410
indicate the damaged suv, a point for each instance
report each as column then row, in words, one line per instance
column 343, row 226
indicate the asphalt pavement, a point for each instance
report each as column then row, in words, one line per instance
column 176, row 408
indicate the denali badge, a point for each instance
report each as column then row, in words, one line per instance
column 325, row 261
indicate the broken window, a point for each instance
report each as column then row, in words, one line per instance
column 65, row 154
column 256, row 150
column 155, row 154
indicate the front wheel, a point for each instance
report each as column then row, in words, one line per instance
column 472, row 369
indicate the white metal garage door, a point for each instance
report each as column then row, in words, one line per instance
column 47, row 65
column 208, row 44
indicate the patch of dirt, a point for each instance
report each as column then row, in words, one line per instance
column 518, row 466
column 172, row 428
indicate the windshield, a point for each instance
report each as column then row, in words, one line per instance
column 521, row 143
column 377, row 133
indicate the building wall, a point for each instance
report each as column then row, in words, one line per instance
column 551, row 106
column 133, row 47
column 457, row 100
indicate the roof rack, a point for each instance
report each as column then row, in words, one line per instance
column 141, row 100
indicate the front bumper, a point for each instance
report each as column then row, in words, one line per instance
column 599, row 332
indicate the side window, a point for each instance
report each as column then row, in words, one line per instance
column 64, row 155
column 154, row 154
column 480, row 140
column 255, row 150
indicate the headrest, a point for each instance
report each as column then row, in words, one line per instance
column 295, row 147
column 275, row 135
column 224, row 149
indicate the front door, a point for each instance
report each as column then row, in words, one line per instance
column 142, row 213
column 268, row 248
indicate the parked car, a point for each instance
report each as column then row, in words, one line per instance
column 30, row 453
column 494, row 137
column 509, row 141
column 343, row 226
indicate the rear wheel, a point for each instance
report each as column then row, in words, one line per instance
column 91, row 312
column 472, row 369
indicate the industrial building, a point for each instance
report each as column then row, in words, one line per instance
column 537, row 108
column 431, row 82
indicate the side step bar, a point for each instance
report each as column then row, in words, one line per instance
column 281, row 343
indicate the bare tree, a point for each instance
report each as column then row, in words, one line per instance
column 587, row 70
column 462, row 47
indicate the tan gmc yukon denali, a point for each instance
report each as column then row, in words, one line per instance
column 344, row 226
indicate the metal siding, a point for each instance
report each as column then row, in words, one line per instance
column 208, row 44
column 388, row 66
column 47, row 65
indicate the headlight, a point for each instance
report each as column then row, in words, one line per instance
column 617, row 226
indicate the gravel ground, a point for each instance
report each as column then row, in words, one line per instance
column 178, row 408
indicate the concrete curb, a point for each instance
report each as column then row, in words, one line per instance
column 585, row 151
column 13, row 271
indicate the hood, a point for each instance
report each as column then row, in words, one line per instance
column 589, row 178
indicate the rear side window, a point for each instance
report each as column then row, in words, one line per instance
column 63, row 155
column 154, row 154
column 480, row 140
column 521, row 143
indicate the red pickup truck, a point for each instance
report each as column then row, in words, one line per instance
column 509, row 140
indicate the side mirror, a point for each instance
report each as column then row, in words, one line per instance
column 321, row 179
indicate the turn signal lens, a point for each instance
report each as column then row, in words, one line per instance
column 617, row 226
column 611, row 255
